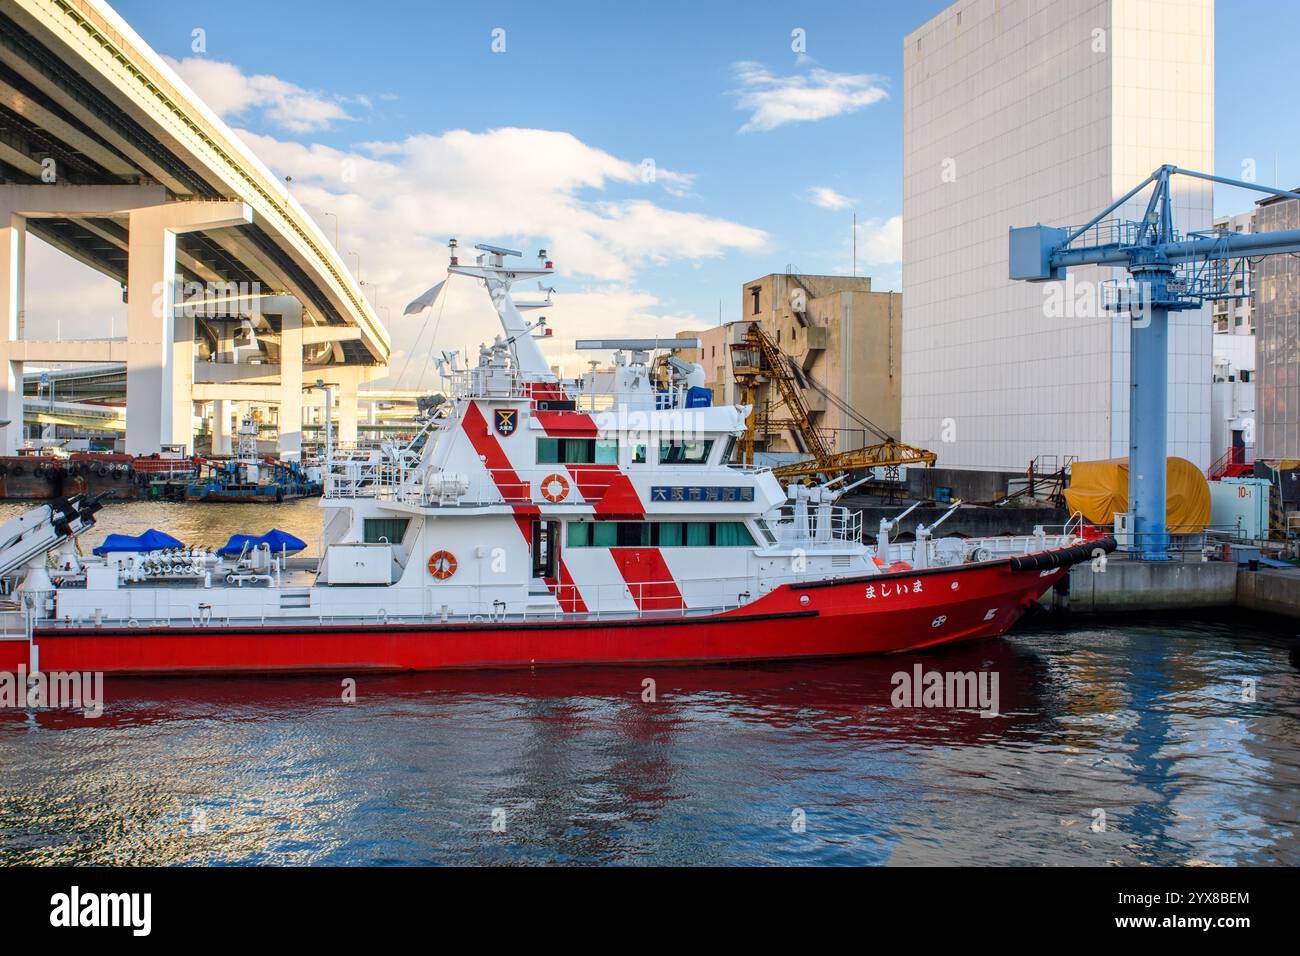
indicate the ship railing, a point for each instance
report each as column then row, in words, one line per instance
column 644, row 599
column 1188, row 543
column 666, row 599
column 356, row 474
column 498, row 486
column 594, row 401
column 375, row 469
column 15, row 624
column 841, row 525
column 1183, row 542
column 368, row 473
column 485, row 381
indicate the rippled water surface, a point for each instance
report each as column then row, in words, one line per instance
column 1145, row 721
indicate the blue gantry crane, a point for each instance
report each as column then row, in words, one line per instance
column 1168, row 271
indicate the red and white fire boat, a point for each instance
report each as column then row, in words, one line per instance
column 531, row 522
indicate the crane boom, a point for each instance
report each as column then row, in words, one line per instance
column 887, row 454
column 775, row 359
column 758, row 355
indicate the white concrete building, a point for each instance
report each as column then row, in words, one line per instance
column 1232, row 413
column 1018, row 112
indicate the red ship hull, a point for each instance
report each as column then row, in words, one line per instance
column 880, row 614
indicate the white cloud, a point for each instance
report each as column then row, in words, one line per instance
column 233, row 94
column 398, row 202
column 880, row 241
column 827, row 198
column 773, row 101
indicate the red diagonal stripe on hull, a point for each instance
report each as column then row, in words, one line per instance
column 566, row 424
column 604, row 486
column 609, row 489
column 545, row 391
column 568, row 595
column 647, row 576
column 486, row 445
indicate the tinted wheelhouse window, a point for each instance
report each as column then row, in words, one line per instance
column 685, row 452
column 659, row 534
column 633, row 535
column 576, row 451
column 729, row 450
column 384, row 530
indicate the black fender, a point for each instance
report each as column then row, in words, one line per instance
column 1063, row 557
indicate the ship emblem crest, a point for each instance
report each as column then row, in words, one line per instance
column 504, row 421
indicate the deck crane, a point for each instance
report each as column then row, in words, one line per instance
column 29, row 536
column 757, row 357
column 1168, row 272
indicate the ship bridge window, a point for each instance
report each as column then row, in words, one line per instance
column 576, row 451
column 384, row 530
column 659, row 534
column 685, row 452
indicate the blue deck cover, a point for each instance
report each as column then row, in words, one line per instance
column 277, row 539
column 151, row 540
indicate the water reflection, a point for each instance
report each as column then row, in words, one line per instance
column 1144, row 721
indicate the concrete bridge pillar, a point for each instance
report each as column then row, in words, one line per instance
column 347, row 410
column 13, row 246
column 160, row 354
column 290, row 410
column 18, row 203
column 221, row 430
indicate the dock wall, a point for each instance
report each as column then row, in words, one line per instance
column 1147, row 586
column 1271, row 591
column 1177, row 586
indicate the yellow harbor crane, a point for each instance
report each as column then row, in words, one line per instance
column 758, row 359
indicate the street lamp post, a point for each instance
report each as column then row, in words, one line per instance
column 335, row 217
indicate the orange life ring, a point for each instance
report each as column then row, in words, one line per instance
column 554, row 497
column 442, row 564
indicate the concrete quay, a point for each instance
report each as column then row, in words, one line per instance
column 1128, row 585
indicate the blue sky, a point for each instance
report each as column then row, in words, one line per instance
column 628, row 82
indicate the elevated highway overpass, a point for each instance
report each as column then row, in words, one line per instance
column 107, row 155
column 93, row 398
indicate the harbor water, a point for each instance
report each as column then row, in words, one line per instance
column 1157, row 740
column 208, row 524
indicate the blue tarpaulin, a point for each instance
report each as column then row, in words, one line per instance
column 277, row 539
column 151, row 540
